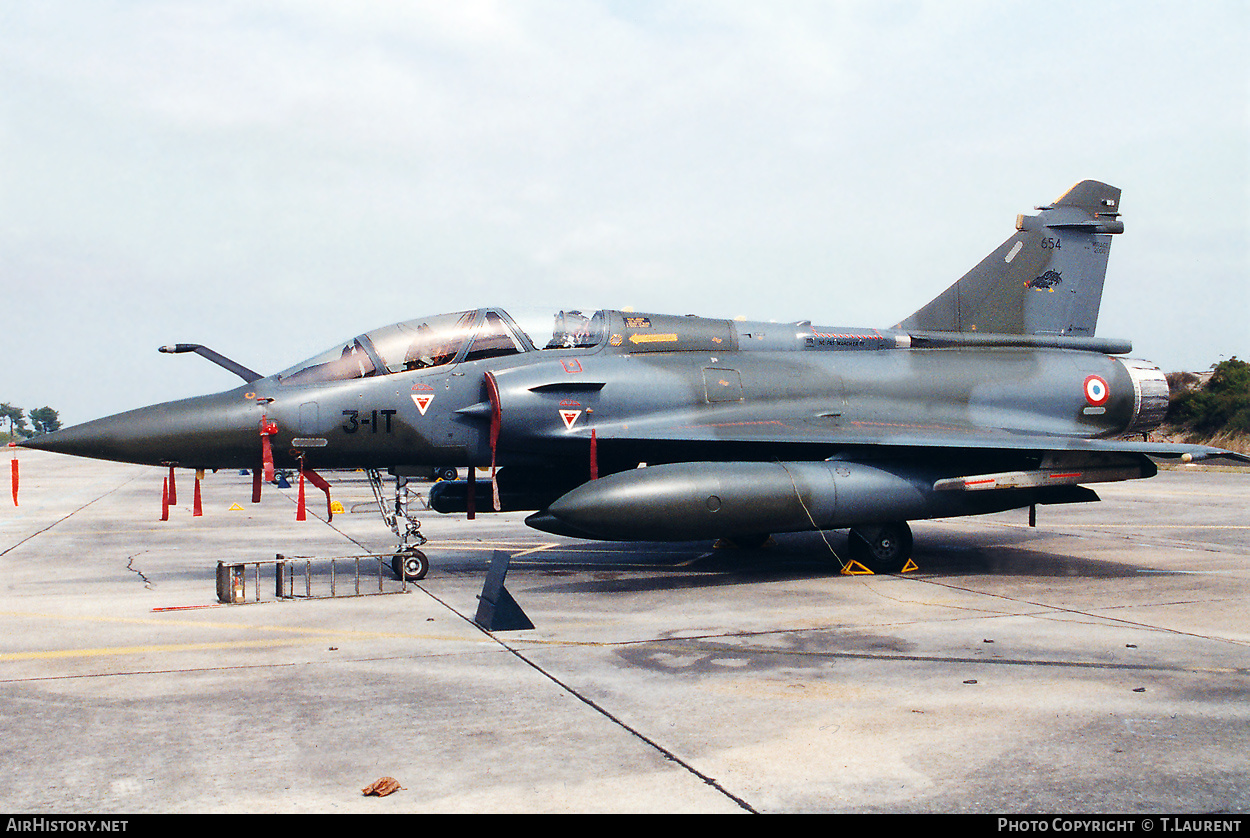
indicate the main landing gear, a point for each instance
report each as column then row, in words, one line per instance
column 882, row 548
column 407, row 562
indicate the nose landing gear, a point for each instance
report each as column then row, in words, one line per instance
column 407, row 562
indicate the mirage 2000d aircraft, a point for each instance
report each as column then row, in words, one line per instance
column 994, row 396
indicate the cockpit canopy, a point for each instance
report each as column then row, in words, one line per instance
column 448, row 338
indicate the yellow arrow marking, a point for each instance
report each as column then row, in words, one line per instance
column 670, row 338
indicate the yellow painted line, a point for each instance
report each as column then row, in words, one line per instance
column 536, row 549
column 56, row 654
column 293, row 630
column 107, row 651
column 1163, row 526
column 308, row 635
column 1155, row 490
column 493, row 545
column 530, row 547
column 1050, row 527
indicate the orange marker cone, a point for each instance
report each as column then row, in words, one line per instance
column 13, row 471
column 197, row 509
column 165, row 500
column 319, row 481
column 173, row 488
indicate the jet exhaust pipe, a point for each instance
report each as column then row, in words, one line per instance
column 698, row 501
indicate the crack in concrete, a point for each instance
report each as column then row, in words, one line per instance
column 130, row 565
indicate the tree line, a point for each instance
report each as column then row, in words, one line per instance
column 1221, row 404
column 43, row 420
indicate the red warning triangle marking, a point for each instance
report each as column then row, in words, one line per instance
column 422, row 402
column 569, row 417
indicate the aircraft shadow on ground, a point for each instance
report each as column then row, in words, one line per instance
column 807, row 556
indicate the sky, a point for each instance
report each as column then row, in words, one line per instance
column 268, row 177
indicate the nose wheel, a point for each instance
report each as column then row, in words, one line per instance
column 410, row 565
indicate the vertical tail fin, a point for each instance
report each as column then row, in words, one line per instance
column 1045, row 280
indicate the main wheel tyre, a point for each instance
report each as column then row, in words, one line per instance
column 411, row 565
column 882, row 549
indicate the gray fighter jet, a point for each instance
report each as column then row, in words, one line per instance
column 629, row 426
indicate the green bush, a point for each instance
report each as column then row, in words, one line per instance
column 1220, row 406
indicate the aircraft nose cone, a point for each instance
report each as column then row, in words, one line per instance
column 219, row 431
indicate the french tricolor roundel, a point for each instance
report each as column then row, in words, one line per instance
column 1096, row 391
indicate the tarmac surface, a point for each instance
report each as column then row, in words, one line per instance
column 1099, row 662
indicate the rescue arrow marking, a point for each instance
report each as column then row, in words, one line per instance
column 422, row 396
column 668, row 338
